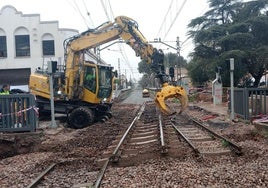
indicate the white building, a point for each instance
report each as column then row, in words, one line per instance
column 26, row 42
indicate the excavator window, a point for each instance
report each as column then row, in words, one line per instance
column 90, row 79
column 105, row 81
column 105, row 78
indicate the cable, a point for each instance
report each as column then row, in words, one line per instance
column 186, row 43
column 177, row 14
column 88, row 14
column 121, row 48
column 105, row 10
column 78, row 9
column 170, row 5
column 111, row 10
column 125, row 57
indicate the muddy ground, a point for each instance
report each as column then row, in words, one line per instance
column 23, row 156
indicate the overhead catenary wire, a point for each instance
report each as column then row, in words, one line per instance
column 125, row 57
column 77, row 9
column 164, row 25
column 111, row 10
column 185, row 45
column 110, row 16
column 172, row 23
column 188, row 41
column 164, row 20
column 88, row 14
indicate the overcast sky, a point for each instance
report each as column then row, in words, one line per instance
column 150, row 15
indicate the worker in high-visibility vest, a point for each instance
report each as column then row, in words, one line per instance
column 90, row 81
column 5, row 90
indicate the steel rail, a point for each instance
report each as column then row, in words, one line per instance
column 163, row 147
column 196, row 151
column 41, row 176
column 234, row 147
column 103, row 169
column 127, row 131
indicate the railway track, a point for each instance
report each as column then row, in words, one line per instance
column 203, row 140
column 152, row 135
column 139, row 141
column 156, row 135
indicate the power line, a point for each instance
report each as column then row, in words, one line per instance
column 111, row 10
column 169, row 12
column 172, row 19
column 188, row 42
column 110, row 17
column 78, row 10
column 177, row 14
column 88, row 13
column 164, row 21
column 125, row 57
column 105, row 10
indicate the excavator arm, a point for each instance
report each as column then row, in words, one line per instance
column 133, row 37
column 126, row 29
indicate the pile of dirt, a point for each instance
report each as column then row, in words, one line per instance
column 65, row 140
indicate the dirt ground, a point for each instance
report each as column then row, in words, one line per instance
column 23, row 156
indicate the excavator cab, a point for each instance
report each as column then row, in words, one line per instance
column 97, row 83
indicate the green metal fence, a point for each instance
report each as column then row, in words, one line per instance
column 18, row 113
column 250, row 102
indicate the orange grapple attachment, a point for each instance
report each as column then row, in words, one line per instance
column 170, row 92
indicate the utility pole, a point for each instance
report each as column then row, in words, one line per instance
column 51, row 71
column 232, row 87
column 119, row 73
column 178, row 53
column 126, row 77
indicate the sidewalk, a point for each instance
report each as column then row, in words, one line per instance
column 221, row 109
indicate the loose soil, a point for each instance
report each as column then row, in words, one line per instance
column 24, row 156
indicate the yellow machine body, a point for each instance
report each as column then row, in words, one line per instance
column 70, row 89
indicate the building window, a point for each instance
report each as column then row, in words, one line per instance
column 3, row 46
column 22, row 45
column 48, row 47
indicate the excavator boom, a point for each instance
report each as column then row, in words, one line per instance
column 126, row 29
column 142, row 48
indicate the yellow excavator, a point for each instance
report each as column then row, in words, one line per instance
column 86, row 99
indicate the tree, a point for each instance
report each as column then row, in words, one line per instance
column 197, row 71
column 144, row 67
column 172, row 60
column 145, row 80
column 231, row 29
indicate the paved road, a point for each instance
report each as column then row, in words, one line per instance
column 136, row 98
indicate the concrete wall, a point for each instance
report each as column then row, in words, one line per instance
column 14, row 22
